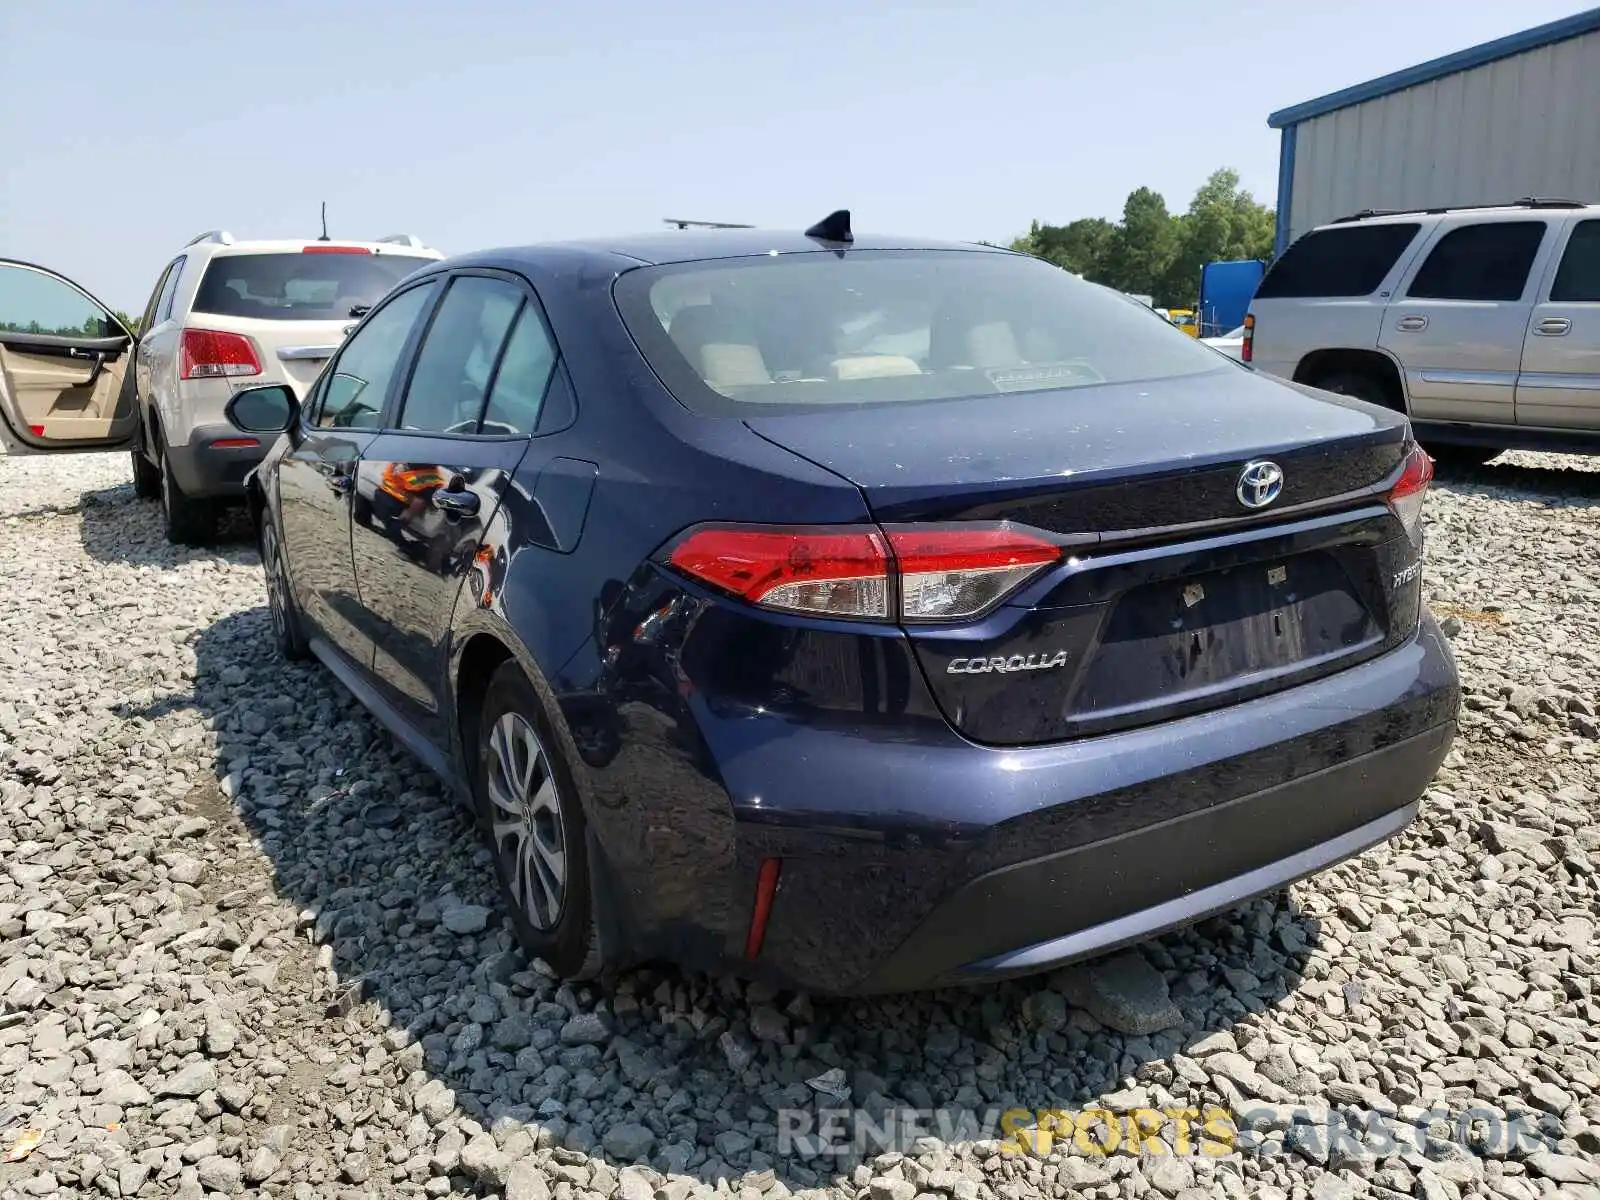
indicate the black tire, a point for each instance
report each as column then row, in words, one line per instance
column 146, row 477
column 288, row 633
column 190, row 521
column 1447, row 455
column 534, row 804
column 1358, row 385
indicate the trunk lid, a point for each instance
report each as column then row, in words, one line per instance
column 1173, row 596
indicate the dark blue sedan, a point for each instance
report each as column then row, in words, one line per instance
column 861, row 614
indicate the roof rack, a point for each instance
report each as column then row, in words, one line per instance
column 405, row 239
column 1522, row 202
column 221, row 236
column 685, row 224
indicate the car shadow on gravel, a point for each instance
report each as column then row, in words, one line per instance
column 1567, row 486
column 693, row 1075
column 118, row 527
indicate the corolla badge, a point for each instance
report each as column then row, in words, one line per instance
column 1259, row 483
column 1016, row 662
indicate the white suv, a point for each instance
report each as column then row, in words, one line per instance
column 1482, row 323
column 224, row 315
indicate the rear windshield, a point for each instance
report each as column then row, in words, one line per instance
column 798, row 331
column 1349, row 261
column 300, row 286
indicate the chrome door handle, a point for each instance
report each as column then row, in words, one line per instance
column 1412, row 323
column 1553, row 327
column 341, row 484
column 455, row 502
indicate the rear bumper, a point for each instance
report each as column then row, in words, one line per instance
column 1095, row 898
column 922, row 859
column 204, row 468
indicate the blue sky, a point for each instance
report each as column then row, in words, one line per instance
column 129, row 127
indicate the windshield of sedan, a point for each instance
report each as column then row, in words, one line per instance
column 796, row 331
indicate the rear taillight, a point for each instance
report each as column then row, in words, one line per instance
column 951, row 573
column 1245, row 347
column 909, row 573
column 840, row 572
column 211, row 354
column 1407, row 496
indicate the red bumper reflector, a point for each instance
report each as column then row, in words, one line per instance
column 36, row 430
column 233, row 443
column 766, row 888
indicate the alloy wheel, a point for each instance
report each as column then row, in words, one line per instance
column 275, row 582
column 525, row 820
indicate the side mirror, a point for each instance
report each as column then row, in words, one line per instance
column 272, row 408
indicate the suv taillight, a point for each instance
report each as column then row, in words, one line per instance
column 211, row 354
column 1249, row 337
column 909, row 573
column 1411, row 491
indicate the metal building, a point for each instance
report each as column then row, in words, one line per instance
column 1513, row 117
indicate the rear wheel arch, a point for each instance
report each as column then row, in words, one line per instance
column 483, row 654
column 1342, row 365
column 255, row 499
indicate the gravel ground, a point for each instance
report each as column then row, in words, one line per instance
column 247, row 947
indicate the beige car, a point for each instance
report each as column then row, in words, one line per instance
column 1482, row 324
column 224, row 315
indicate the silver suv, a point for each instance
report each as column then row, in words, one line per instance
column 1483, row 324
column 224, row 314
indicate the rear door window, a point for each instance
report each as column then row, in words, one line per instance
column 458, row 357
column 1488, row 261
column 1578, row 277
column 1339, row 261
column 311, row 285
column 523, row 377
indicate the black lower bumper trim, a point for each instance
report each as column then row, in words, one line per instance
column 1095, row 897
column 203, row 468
column 1198, row 905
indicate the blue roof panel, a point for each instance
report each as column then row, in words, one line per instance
column 1462, row 60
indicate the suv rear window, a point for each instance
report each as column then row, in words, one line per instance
column 300, row 287
column 802, row 331
column 1348, row 261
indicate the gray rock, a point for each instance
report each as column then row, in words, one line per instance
column 527, row 1182
column 1563, row 1168
column 465, row 918
column 219, row 1174
column 1124, row 992
column 483, row 1159
column 585, row 1029
column 189, row 1080
column 890, row 1187
column 628, row 1142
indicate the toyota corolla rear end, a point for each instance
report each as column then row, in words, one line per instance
column 1123, row 636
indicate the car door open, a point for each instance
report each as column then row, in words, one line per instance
column 64, row 361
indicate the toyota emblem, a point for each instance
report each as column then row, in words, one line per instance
column 1259, row 483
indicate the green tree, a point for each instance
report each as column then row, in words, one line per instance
column 1142, row 246
column 1152, row 252
column 1224, row 222
column 1078, row 246
column 131, row 322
